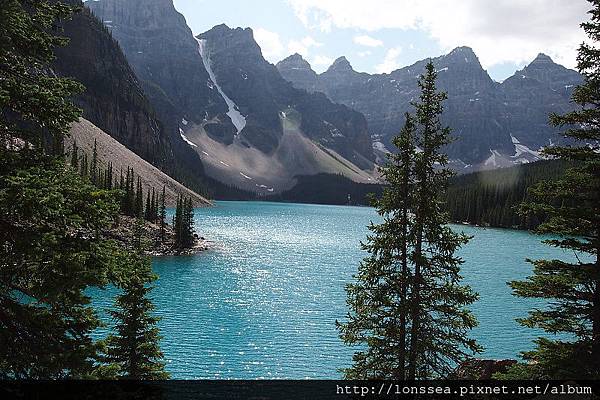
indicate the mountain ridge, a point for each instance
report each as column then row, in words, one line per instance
column 485, row 115
column 258, row 114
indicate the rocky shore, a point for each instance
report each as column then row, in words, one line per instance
column 124, row 232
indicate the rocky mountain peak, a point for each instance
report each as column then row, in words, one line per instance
column 341, row 64
column 463, row 55
column 546, row 71
column 295, row 61
column 222, row 36
column 542, row 59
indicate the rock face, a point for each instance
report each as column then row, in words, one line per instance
column 113, row 99
column 261, row 94
column 116, row 102
column 109, row 150
column 497, row 124
column 163, row 53
column 232, row 107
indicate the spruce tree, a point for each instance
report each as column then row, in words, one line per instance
column 148, row 208
column 84, row 166
column 178, row 222
column 75, row 156
column 139, row 200
column 189, row 231
column 163, row 215
column 51, row 251
column 94, row 164
column 134, row 345
column 407, row 306
column 571, row 208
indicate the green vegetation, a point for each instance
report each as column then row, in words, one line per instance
column 329, row 189
column 133, row 351
column 407, row 306
column 183, row 223
column 52, row 220
column 491, row 198
column 571, row 207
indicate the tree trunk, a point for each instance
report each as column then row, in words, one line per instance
column 416, row 303
column 404, row 283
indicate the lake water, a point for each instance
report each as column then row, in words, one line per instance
column 263, row 302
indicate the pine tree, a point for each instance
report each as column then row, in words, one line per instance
column 178, row 222
column 75, row 156
column 134, row 345
column 153, row 213
column 163, row 215
column 189, row 231
column 139, row 200
column 408, row 307
column 84, row 166
column 50, row 217
column 148, row 208
column 94, row 164
column 571, row 208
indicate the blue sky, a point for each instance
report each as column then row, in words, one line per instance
column 383, row 35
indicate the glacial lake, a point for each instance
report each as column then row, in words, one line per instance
column 262, row 303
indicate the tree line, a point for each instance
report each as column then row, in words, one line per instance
column 131, row 191
column 491, row 198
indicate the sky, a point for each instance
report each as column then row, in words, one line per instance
column 379, row 36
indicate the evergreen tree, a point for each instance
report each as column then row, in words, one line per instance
column 139, row 200
column 134, row 347
column 163, row 215
column 189, row 231
column 84, row 166
column 571, row 208
column 408, row 307
column 75, row 157
column 50, row 218
column 178, row 222
column 148, row 209
column 94, row 165
column 183, row 223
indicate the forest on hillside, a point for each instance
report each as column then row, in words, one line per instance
column 490, row 198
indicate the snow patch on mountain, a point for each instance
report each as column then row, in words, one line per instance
column 522, row 150
column 185, row 138
column 377, row 145
column 245, row 176
column 494, row 160
column 238, row 120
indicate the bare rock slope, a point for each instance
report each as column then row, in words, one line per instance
column 110, row 150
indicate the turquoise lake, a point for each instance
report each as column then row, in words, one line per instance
column 262, row 303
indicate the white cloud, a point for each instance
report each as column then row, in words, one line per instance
column 303, row 45
column 390, row 61
column 366, row 40
column 498, row 30
column 321, row 61
column 364, row 53
column 269, row 42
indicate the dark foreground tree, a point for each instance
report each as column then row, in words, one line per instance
column 408, row 307
column 134, row 345
column 52, row 220
column 571, row 206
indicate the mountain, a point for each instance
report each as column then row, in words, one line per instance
column 252, row 129
column 497, row 124
column 115, row 101
column 164, row 55
column 110, row 150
